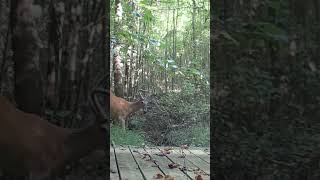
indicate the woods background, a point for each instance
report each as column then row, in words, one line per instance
column 265, row 103
column 264, row 66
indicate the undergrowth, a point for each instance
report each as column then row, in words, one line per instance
column 173, row 119
column 196, row 136
column 128, row 137
column 177, row 118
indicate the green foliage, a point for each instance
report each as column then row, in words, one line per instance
column 196, row 136
column 266, row 99
column 173, row 54
column 144, row 25
column 147, row 17
column 178, row 118
column 126, row 138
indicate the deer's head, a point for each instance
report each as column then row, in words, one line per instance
column 145, row 100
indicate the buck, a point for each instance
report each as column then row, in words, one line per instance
column 122, row 109
column 34, row 148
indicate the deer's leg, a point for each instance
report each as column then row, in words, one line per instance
column 127, row 123
column 123, row 123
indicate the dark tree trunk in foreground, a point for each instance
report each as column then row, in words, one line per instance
column 25, row 46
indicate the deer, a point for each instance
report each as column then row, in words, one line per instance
column 122, row 109
column 33, row 148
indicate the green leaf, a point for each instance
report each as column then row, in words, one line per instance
column 154, row 42
column 174, row 66
column 137, row 14
column 147, row 16
column 159, row 61
column 170, row 61
column 124, row 34
column 194, row 71
column 144, row 2
column 179, row 73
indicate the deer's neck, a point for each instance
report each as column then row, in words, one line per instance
column 82, row 142
column 135, row 106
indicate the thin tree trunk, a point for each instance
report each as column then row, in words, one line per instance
column 116, row 58
column 4, row 59
column 166, row 55
column 117, row 71
column 51, row 73
column 104, row 34
column 194, row 36
column 126, row 71
column 131, row 72
column 84, row 68
column 72, row 66
column 58, row 61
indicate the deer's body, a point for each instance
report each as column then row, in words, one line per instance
column 32, row 147
column 122, row 109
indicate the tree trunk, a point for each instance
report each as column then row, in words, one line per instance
column 117, row 58
column 126, row 71
column 194, row 37
column 25, row 46
column 5, row 50
column 72, row 63
column 131, row 74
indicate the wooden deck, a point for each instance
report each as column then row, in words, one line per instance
column 145, row 163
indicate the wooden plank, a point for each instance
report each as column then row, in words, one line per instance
column 195, row 160
column 148, row 168
column 175, row 156
column 200, row 154
column 207, row 151
column 163, row 162
column 113, row 166
column 127, row 166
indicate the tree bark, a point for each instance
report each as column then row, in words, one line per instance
column 25, row 46
column 117, row 58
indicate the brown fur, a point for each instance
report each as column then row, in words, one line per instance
column 31, row 146
column 122, row 109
